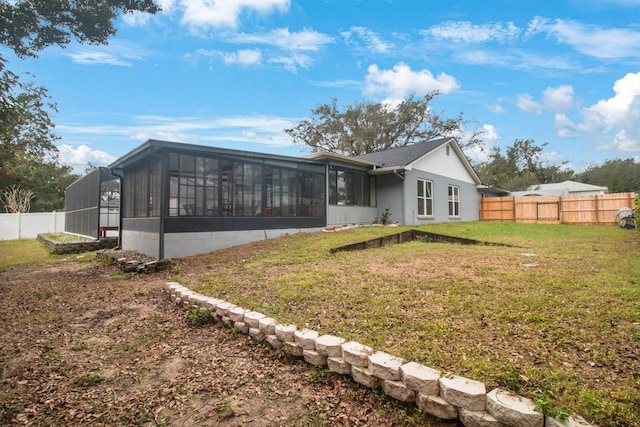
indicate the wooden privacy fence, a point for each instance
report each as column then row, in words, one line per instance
column 590, row 209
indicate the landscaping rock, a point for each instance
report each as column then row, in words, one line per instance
column 478, row 419
column 286, row 333
column 236, row 314
column 338, row 365
column 273, row 341
column 267, row 325
column 330, row 345
column 241, row 328
column 420, row 378
column 437, row 406
column 306, row 339
column 356, row 354
column 252, row 319
column 385, row 366
column 398, row 390
column 513, row 410
column 256, row 334
column 363, row 376
column 293, row 349
column 463, row 392
column 314, row 358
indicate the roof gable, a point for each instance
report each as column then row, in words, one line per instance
column 404, row 156
column 408, row 156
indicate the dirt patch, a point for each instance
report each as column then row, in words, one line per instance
column 81, row 347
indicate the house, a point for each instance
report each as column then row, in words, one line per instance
column 566, row 188
column 182, row 199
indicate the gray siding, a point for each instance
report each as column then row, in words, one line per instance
column 391, row 196
column 401, row 198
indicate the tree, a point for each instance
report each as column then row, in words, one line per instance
column 28, row 155
column 366, row 127
column 619, row 176
column 16, row 199
column 29, row 26
column 521, row 168
column 26, row 130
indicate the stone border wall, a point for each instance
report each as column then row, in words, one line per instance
column 59, row 248
column 440, row 394
column 410, row 236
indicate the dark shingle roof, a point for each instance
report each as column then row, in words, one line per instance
column 402, row 156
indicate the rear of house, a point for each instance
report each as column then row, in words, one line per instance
column 182, row 199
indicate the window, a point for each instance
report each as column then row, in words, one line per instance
column 454, row 201
column 425, row 198
column 221, row 186
column 193, row 185
column 350, row 187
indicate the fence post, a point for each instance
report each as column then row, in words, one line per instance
column 19, row 225
column 560, row 209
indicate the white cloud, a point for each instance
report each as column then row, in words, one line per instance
column 496, row 107
column 467, row 32
column 267, row 129
column 560, row 98
column 293, row 62
column 244, row 57
column 307, row 40
column 556, row 99
column 372, row 42
column 591, row 40
column 480, row 152
column 399, row 82
column 613, row 122
column 526, row 103
column 226, row 13
column 78, row 158
column 94, row 57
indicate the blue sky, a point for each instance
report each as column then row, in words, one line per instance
column 235, row 73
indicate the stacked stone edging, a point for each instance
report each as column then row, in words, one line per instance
column 445, row 396
column 59, row 248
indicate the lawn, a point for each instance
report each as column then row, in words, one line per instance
column 554, row 317
column 15, row 253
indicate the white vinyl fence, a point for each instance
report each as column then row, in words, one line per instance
column 29, row 225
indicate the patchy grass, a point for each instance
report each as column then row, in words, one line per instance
column 66, row 238
column 23, row 252
column 14, row 253
column 554, row 319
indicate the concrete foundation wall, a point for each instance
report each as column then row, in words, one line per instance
column 145, row 242
column 184, row 244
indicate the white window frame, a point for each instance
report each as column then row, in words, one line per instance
column 427, row 195
column 454, row 201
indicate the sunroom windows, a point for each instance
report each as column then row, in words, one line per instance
column 351, row 187
column 222, row 186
